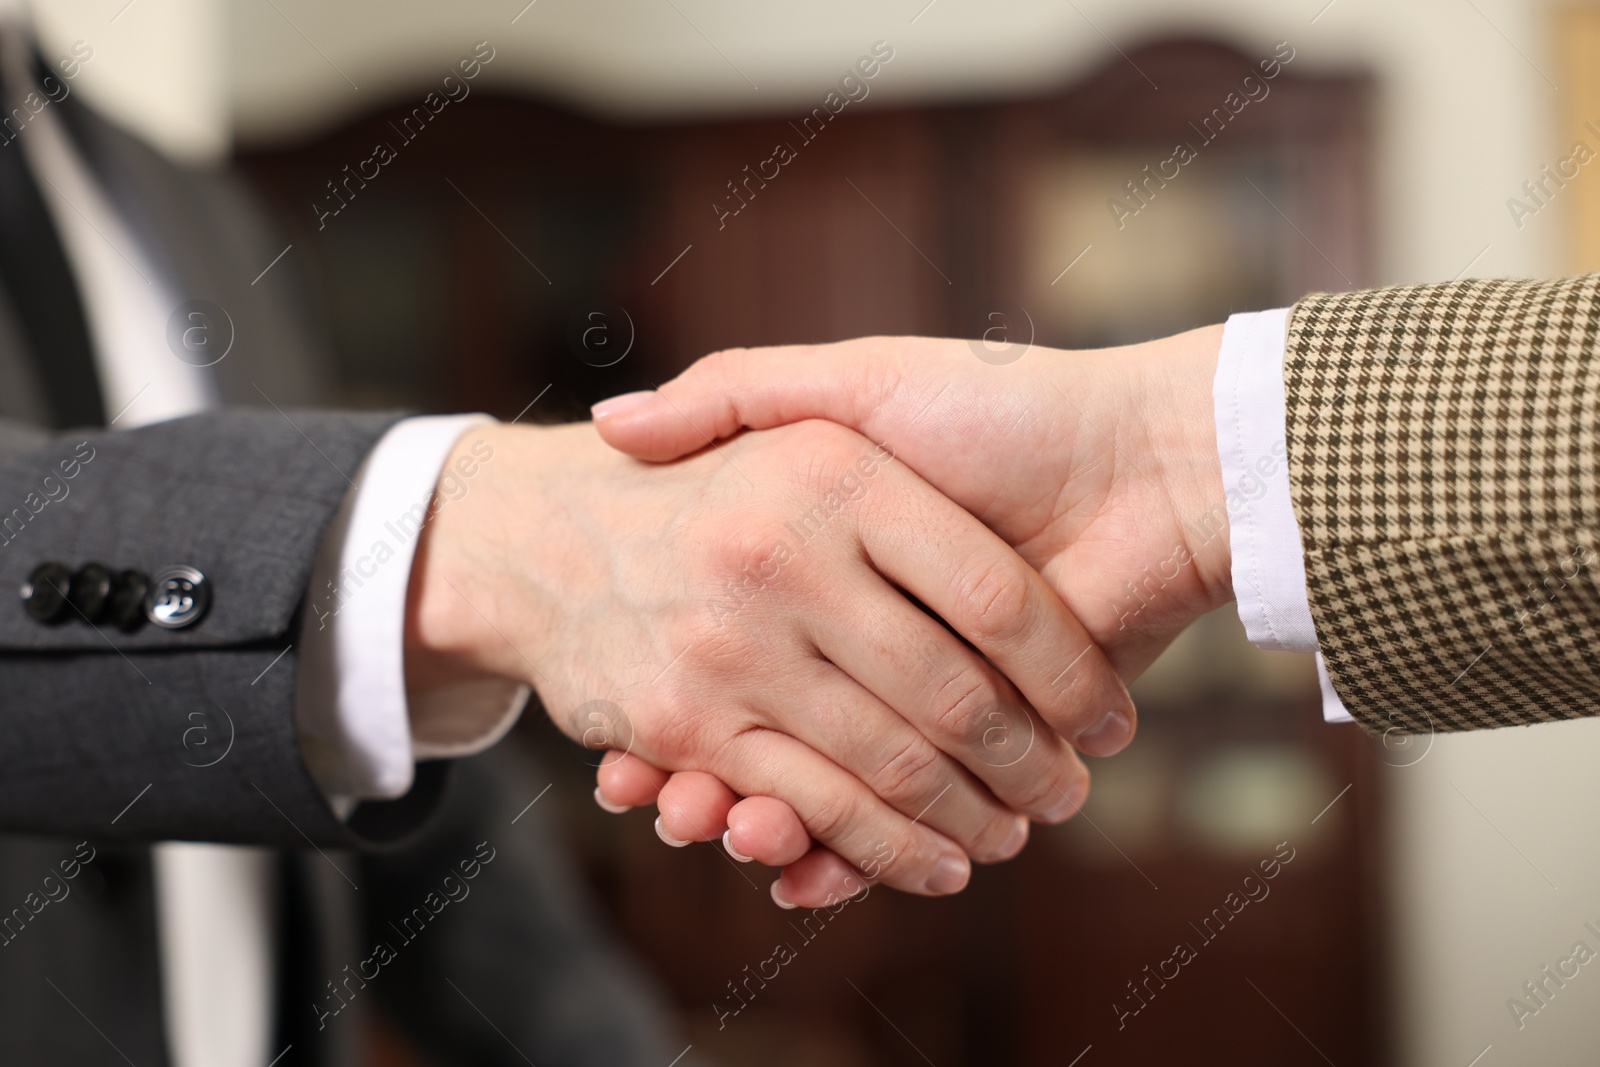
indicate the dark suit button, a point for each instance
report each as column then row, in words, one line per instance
column 125, row 607
column 91, row 589
column 178, row 597
column 44, row 594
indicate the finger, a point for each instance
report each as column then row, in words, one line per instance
column 625, row 781
column 766, row 830
column 989, row 595
column 951, row 698
column 694, row 806
column 832, row 713
column 838, row 811
column 818, row 879
column 755, row 388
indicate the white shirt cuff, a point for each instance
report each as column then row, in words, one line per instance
column 1269, row 576
column 360, row 732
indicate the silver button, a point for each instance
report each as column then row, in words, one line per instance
column 178, row 597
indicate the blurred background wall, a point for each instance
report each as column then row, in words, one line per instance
column 1451, row 871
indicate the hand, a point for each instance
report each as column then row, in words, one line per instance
column 1100, row 467
column 741, row 613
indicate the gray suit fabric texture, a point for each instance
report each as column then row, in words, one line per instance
column 94, row 757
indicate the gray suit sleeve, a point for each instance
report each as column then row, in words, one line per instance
column 175, row 733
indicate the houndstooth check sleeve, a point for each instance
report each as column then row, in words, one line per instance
column 1444, row 452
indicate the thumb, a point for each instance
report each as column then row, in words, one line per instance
column 739, row 388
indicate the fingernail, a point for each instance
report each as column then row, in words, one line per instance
column 621, row 405
column 779, row 901
column 950, row 876
column 1071, row 801
column 1109, row 736
column 1014, row 843
column 661, row 832
column 727, row 843
column 606, row 805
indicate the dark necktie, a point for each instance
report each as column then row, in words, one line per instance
column 34, row 271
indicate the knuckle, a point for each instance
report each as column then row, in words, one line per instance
column 714, row 366
column 1039, row 793
column 888, row 365
column 1081, row 692
column 997, row 604
column 831, row 817
column 748, row 558
column 738, row 542
column 913, row 857
column 681, row 727
column 829, row 452
column 992, row 837
column 910, row 775
column 960, row 701
column 671, row 734
column 1003, row 734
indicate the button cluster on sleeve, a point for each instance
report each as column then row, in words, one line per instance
column 175, row 598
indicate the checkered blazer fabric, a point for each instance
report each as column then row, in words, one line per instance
column 1444, row 455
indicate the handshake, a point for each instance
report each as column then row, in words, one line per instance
column 863, row 604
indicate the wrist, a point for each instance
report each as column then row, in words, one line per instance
column 1142, row 507
column 459, row 626
column 1167, row 396
column 1181, row 418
